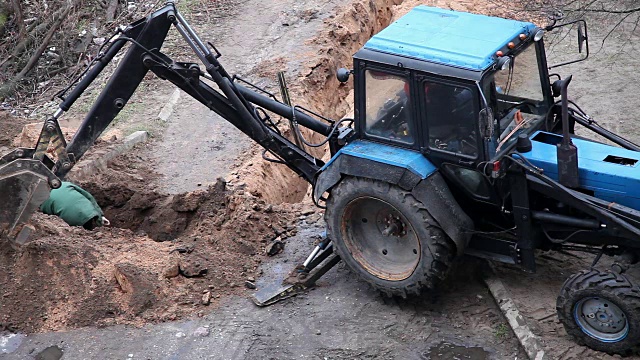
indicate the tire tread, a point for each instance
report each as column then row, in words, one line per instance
column 442, row 249
column 610, row 285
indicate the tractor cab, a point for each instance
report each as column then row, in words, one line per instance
column 457, row 87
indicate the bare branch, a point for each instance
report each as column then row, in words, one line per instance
column 8, row 88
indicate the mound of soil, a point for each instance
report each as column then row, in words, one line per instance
column 10, row 127
column 163, row 258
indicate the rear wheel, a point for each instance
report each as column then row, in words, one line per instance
column 601, row 310
column 386, row 236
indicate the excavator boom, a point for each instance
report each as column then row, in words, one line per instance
column 27, row 175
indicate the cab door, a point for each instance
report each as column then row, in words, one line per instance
column 451, row 135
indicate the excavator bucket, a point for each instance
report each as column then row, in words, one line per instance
column 24, row 185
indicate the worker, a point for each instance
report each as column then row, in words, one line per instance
column 75, row 206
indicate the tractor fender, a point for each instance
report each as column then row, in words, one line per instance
column 407, row 169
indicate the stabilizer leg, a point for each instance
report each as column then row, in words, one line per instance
column 309, row 274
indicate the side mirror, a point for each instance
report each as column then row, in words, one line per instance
column 582, row 38
column 486, row 122
column 343, row 75
column 583, row 41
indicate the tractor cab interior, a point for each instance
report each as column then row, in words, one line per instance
column 517, row 95
column 449, row 112
column 388, row 107
column 450, row 118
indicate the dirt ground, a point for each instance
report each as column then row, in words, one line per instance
column 342, row 318
column 539, row 308
column 170, row 253
column 193, row 212
column 164, row 257
column 11, row 127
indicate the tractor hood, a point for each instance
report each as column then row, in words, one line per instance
column 609, row 173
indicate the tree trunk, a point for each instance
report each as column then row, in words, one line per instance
column 17, row 11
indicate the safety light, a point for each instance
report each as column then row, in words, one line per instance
column 539, row 35
column 499, row 53
column 522, row 37
column 495, row 172
column 511, row 45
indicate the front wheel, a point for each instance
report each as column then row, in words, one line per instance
column 386, row 236
column 601, row 310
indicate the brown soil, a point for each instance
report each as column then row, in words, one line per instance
column 10, row 127
column 68, row 277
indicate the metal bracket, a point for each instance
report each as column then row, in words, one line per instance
column 187, row 70
column 51, row 133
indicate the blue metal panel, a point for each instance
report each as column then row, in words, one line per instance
column 404, row 158
column 447, row 37
column 609, row 181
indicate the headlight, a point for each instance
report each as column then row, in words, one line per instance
column 504, row 62
column 539, row 35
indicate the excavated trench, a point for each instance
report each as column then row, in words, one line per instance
column 319, row 90
column 170, row 256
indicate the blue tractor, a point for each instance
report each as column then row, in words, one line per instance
column 458, row 146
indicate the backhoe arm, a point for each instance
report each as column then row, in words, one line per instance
column 24, row 172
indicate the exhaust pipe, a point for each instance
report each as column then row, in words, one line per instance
column 567, row 151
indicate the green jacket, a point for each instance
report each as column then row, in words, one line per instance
column 73, row 204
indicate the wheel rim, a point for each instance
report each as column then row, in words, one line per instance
column 380, row 238
column 601, row 319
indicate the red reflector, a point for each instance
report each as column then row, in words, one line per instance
column 496, row 166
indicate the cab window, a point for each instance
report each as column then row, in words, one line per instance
column 522, row 79
column 451, row 119
column 388, row 107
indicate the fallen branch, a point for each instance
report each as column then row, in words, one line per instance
column 22, row 46
column 5, row 60
column 111, row 10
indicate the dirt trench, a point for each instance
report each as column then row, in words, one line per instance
column 316, row 88
column 168, row 256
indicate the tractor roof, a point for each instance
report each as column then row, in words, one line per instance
column 458, row 39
